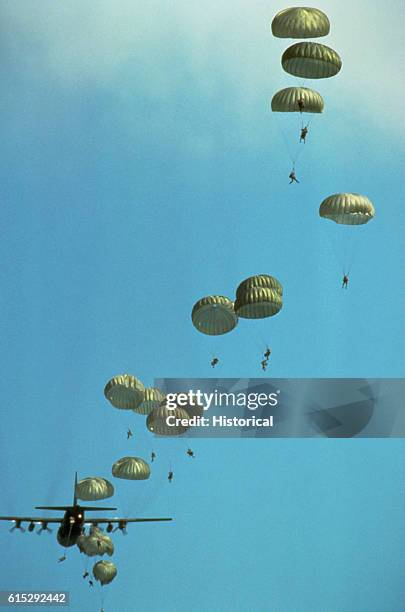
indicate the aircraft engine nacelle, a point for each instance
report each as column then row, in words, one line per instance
column 66, row 539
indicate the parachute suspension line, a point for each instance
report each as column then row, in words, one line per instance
column 85, row 562
column 101, row 594
column 261, row 343
column 301, row 120
column 353, row 244
column 70, row 533
column 124, row 501
column 344, row 250
column 286, row 142
column 350, row 257
column 102, row 597
column 298, row 151
column 297, row 156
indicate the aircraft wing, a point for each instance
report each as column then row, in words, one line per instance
column 100, row 521
column 31, row 519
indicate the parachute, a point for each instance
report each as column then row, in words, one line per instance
column 104, row 571
column 347, row 209
column 258, row 303
column 97, row 543
column 260, row 280
column 258, row 297
column 300, row 22
column 214, row 315
column 295, row 100
column 286, row 101
column 125, row 392
column 152, row 399
column 94, row 488
column 156, row 421
column 192, row 409
column 311, row 60
column 195, row 410
column 131, row 468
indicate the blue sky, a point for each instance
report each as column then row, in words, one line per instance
column 141, row 169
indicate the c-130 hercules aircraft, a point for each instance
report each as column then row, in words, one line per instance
column 73, row 522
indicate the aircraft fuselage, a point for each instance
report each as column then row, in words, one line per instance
column 71, row 527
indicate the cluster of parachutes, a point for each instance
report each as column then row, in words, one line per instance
column 307, row 60
column 95, row 488
column 126, row 392
column 310, row 60
column 257, row 297
column 97, row 543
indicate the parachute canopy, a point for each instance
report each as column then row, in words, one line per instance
column 311, row 60
column 97, row 543
column 195, row 410
column 153, row 397
column 258, row 303
column 347, row 209
column 104, row 571
column 286, row 101
column 192, row 407
column 94, row 488
column 300, row 22
column 125, row 392
column 156, row 421
column 131, row 468
column 214, row 315
column 264, row 281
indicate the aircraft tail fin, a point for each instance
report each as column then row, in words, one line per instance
column 74, row 494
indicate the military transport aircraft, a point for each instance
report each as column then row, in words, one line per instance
column 73, row 522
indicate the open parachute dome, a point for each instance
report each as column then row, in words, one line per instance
column 258, row 297
column 264, row 281
column 131, row 468
column 157, row 423
column 125, row 392
column 104, row 572
column 347, row 209
column 95, row 544
column 300, row 22
column 152, row 399
column 214, row 315
column 286, row 101
column 311, row 60
column 258, row 303
column 94, row 489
